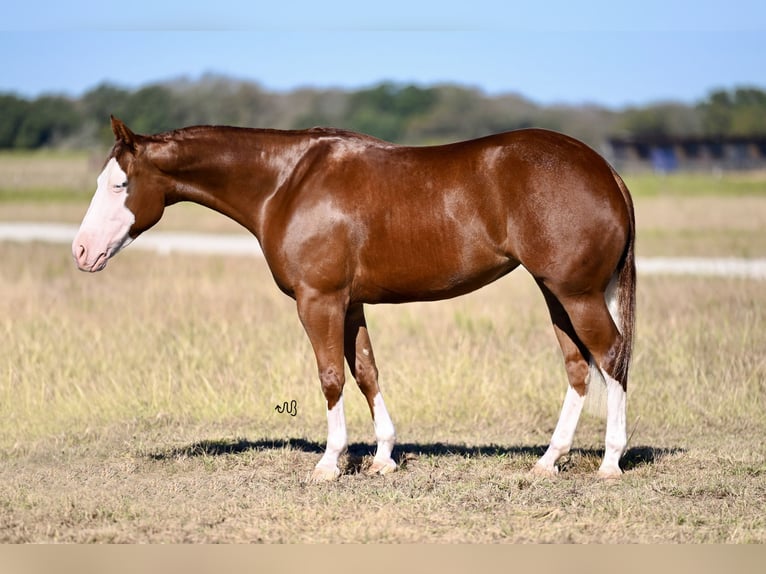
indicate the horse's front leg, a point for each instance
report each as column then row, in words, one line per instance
column 323, row 319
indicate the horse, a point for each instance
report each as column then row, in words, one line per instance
column 345, row 219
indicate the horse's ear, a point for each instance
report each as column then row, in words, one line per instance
column 122, row 133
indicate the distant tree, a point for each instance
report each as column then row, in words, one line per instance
column 216, row 100
column 461, row 113
column 252, row 106
column 749, row 112
column 103, row 101
column 512, row 112
column 315, row 108
column 716, row 113
column 670, row 119
column 152, row 109
column 451, row 117
column 98, row 104
column 738, row 112
column 385, row 110
column 402, row 113
column 13, row 111
column 48, row 121
column 590, row 123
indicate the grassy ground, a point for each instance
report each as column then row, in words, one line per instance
column 137, row 405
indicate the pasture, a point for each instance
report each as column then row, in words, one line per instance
column 138, row 404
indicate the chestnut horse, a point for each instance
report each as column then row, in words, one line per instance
column 345, row 219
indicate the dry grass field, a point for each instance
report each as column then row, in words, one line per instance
column 138, row 404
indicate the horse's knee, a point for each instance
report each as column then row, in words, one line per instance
column 598, row 333
column 610, row 357
column 332, row 381
column 366, row 376
column 577, row 373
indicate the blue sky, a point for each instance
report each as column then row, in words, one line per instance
column 606, row 52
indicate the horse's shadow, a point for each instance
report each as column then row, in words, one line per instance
column 357, row 452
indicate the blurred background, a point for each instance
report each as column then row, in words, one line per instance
column 664, row 86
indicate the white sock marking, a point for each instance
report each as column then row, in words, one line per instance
column 616, row 426
column 563, row 435
column 384, row 429
column 337, row 438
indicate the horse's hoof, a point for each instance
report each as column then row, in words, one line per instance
column 544, row 471
column 321, row 474
column 609, row 472
column 382, row 467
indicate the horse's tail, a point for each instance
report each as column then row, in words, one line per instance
column 621, row 301
column 623, row 309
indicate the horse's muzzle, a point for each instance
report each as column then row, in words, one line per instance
column 85, row 262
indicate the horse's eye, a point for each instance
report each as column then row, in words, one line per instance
column 121, row 186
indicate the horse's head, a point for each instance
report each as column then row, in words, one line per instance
column 129, row 199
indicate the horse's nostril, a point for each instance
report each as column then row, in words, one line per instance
column 81, row 256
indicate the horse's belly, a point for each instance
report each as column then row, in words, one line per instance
column 418, row 276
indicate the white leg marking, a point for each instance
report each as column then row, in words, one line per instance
column 616, row 429
column 385, row 435
column 563, row 435
column 337, row 441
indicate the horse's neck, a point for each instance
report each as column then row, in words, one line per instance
column 231, row 171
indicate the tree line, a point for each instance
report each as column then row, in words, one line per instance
column 402, row 113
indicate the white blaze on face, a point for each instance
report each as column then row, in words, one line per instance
column 105, row 227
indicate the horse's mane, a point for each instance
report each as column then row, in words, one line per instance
column 193, row 132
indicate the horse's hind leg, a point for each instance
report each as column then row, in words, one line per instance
column 591, row 330
column 361, row 361
column 577, row 372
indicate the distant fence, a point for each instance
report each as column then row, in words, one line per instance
column 666, row 154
